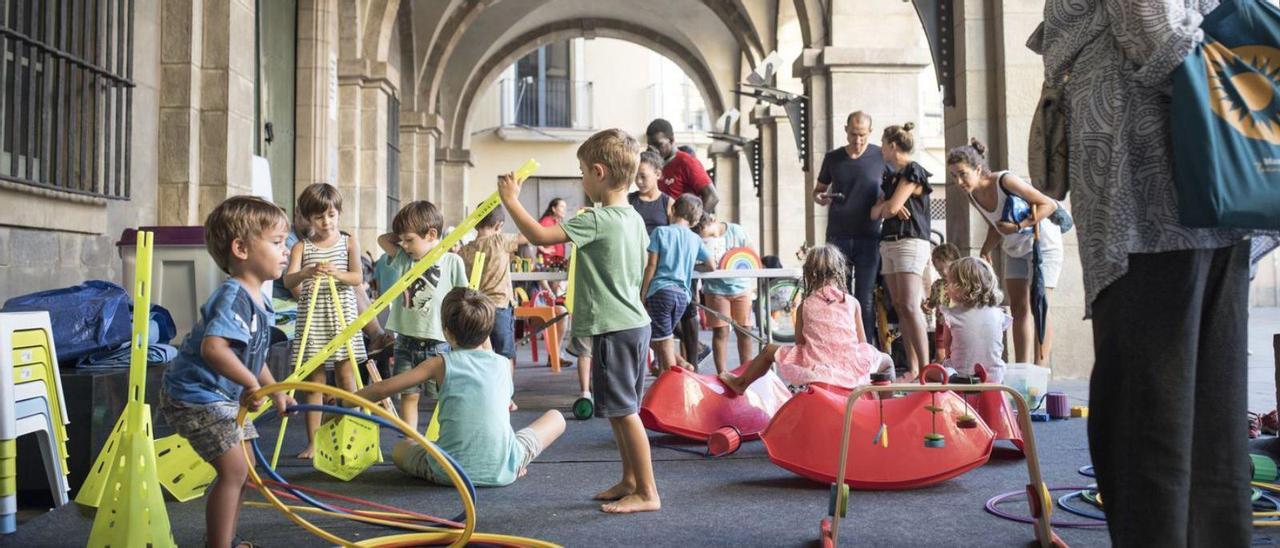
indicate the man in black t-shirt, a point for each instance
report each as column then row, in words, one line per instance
column 849, row 184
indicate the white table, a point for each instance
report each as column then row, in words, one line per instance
column 762, row 276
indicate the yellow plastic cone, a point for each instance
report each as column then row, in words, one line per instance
column 131, row 509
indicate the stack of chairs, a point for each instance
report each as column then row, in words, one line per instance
column 31, row 402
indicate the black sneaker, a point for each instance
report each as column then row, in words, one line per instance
column 703, row 352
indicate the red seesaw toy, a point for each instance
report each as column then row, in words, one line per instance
column 803, row 438
column 854, row 405
column 700, row 407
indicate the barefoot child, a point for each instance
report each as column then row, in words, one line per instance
column 220, row 365
column 325, row 252
column 668, row 277
column 475, row 388
column 415, row 316
column 611, row 243
column 975, row 319
column 830, row 345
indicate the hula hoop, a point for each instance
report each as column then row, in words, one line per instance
column 992, row 507
column 456, row 537
column 1087, row 471
column 1066, row 503
column 337, row 410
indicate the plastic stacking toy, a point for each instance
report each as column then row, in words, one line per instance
column 131, row 509
column 741, row 258
column 583, row 408
column 804, row 437
column 693, row 406
column 1056, row 404
column 179, row 463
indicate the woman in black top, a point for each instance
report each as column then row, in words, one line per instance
column 651, row 203
column 904, row 238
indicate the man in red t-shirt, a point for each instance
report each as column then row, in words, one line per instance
column 682, row 173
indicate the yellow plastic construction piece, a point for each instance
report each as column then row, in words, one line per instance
column 176, row 454
column 433, row 427
column 347, row 446
column 131, row 510
column 573, row 270
column 477, row 265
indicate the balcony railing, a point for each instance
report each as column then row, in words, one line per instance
column 547, row 103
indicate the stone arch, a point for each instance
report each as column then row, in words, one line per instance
column 813, row 22
column 429, row 80
column 735, row 17
column 495, row 63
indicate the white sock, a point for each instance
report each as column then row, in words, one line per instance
column 586, row 394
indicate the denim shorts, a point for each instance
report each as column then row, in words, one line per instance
column 666, row 308
column 503, row 336
column 410, row 352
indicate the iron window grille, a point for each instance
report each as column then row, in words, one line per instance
column 66, row 95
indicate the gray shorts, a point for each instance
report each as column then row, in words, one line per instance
column 579, row 347
column 617, row 371
column 210, row 428
column 412, row 459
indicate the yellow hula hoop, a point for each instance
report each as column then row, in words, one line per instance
column 459, row 538
column 354, row 517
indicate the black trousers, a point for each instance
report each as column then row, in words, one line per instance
column 1167, row 424
column 862, row 259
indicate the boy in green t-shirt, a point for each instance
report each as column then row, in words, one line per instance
column 611, row 243
column 415, row 316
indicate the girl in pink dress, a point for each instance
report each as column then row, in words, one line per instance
column 830, row 347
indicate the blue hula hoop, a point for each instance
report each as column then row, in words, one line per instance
column 337, row 410
column 1065, row 505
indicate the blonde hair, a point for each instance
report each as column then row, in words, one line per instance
column 617, row 151
column 823, row 266
column 975, row 282
column 238, row 217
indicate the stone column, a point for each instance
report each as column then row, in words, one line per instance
column 227, row 113
column 181, row 34
column 419, row 136
column 364, row 91
column 454, row 165
column 784, row 181
column 206, row 107
column 317, row 94
column 768, row 203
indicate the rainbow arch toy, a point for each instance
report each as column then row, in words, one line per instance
column 741, row 258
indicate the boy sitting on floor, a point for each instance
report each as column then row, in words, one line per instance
column 475, row 389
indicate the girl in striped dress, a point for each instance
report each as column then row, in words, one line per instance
column 325, row 252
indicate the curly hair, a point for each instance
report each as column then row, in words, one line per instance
column 973, row 154
column 823, row 266
column 974, row 281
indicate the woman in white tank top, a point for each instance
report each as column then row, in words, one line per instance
column 990, row 193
